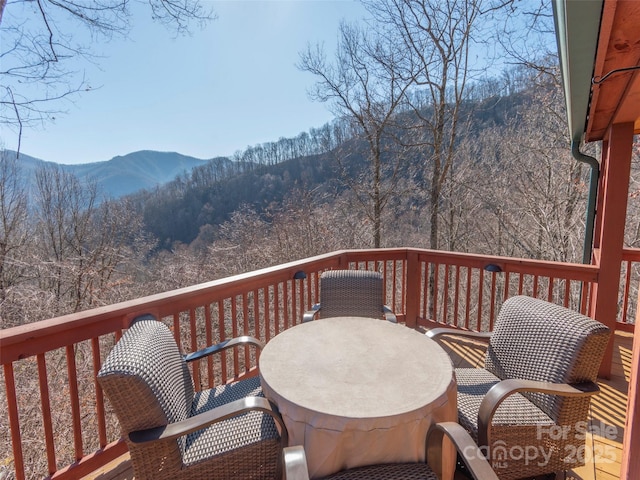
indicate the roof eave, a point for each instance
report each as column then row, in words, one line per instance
column 577, row 26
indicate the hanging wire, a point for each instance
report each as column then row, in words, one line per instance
column 599, row 80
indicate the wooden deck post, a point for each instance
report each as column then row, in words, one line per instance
column 412, row 301
column 610, row 222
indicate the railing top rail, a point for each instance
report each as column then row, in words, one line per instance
column 577, row 271
column 631, row 254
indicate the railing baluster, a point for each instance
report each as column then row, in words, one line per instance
column 208, row 327
column 456, row 297
column 285, row 295
column 245, row 313
column 567, row 292
column 100, row 415
column 480, row 298
column 223, row 336
column 550, row 289
column 436, row 289
column 445, row 296
column 627, row 285
column 308, row 283
column 246, row 329
column 267, row 312
column 404, row 272
column 46, row 413
column 520, row 283
column 75, row 402
column 585, row 298
column 177, row 330
column 492, row 305
column 425, row 290
column 316, row 281
column 294, row 297
column 507, row 280
column 389, row 274
column 234, row 333
column 195, row 365
column 276, row 309
column 254, row 310
column 14, row 420
column 298, row 317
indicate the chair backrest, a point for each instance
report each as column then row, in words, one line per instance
column 146, row 378
column 357, row 293
column 538, row 340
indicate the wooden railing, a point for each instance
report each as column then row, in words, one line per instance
column 55, row 418
column 466, row 290
column 628, row 296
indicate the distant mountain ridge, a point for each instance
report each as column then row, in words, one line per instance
column 125, row 174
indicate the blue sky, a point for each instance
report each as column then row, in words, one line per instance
column 226, row 87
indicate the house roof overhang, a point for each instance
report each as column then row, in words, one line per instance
column 598, row 45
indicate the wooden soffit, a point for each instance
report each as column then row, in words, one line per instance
column 615, row 92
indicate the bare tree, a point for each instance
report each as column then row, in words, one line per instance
column 37, row 55
column 437, row 34
column 527, row 37
column 529, row 194
column 64, row 207
column 13, row 221
column 82, row 240
column 363, row 86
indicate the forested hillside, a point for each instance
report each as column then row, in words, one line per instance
column 265, row 175
column 512, row 189
column 177, row 211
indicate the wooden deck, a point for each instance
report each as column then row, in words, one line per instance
column 603, row 449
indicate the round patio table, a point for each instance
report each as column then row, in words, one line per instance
column 359, row 391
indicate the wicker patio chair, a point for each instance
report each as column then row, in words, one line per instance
column 228, row 432
column 351, row 293
column 476, row 464
column 528, row 407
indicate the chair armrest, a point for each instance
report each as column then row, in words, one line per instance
column 295, row 463
column 501, row 390
column 388, row 314
column 308, row 315
column 219, row 347
column 175, row 430
column 436, row 332
column 472, row 456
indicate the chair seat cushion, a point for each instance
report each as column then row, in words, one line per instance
column 222, row 437
column 390, row 471
column 516, row 410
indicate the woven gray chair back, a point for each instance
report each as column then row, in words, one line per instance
column 538, row 340
column 146, row 379
column 353, row 293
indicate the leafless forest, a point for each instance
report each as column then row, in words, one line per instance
column 513, row 189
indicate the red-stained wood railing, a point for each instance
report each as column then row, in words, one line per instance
column 466, row 291
column 56, row 422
